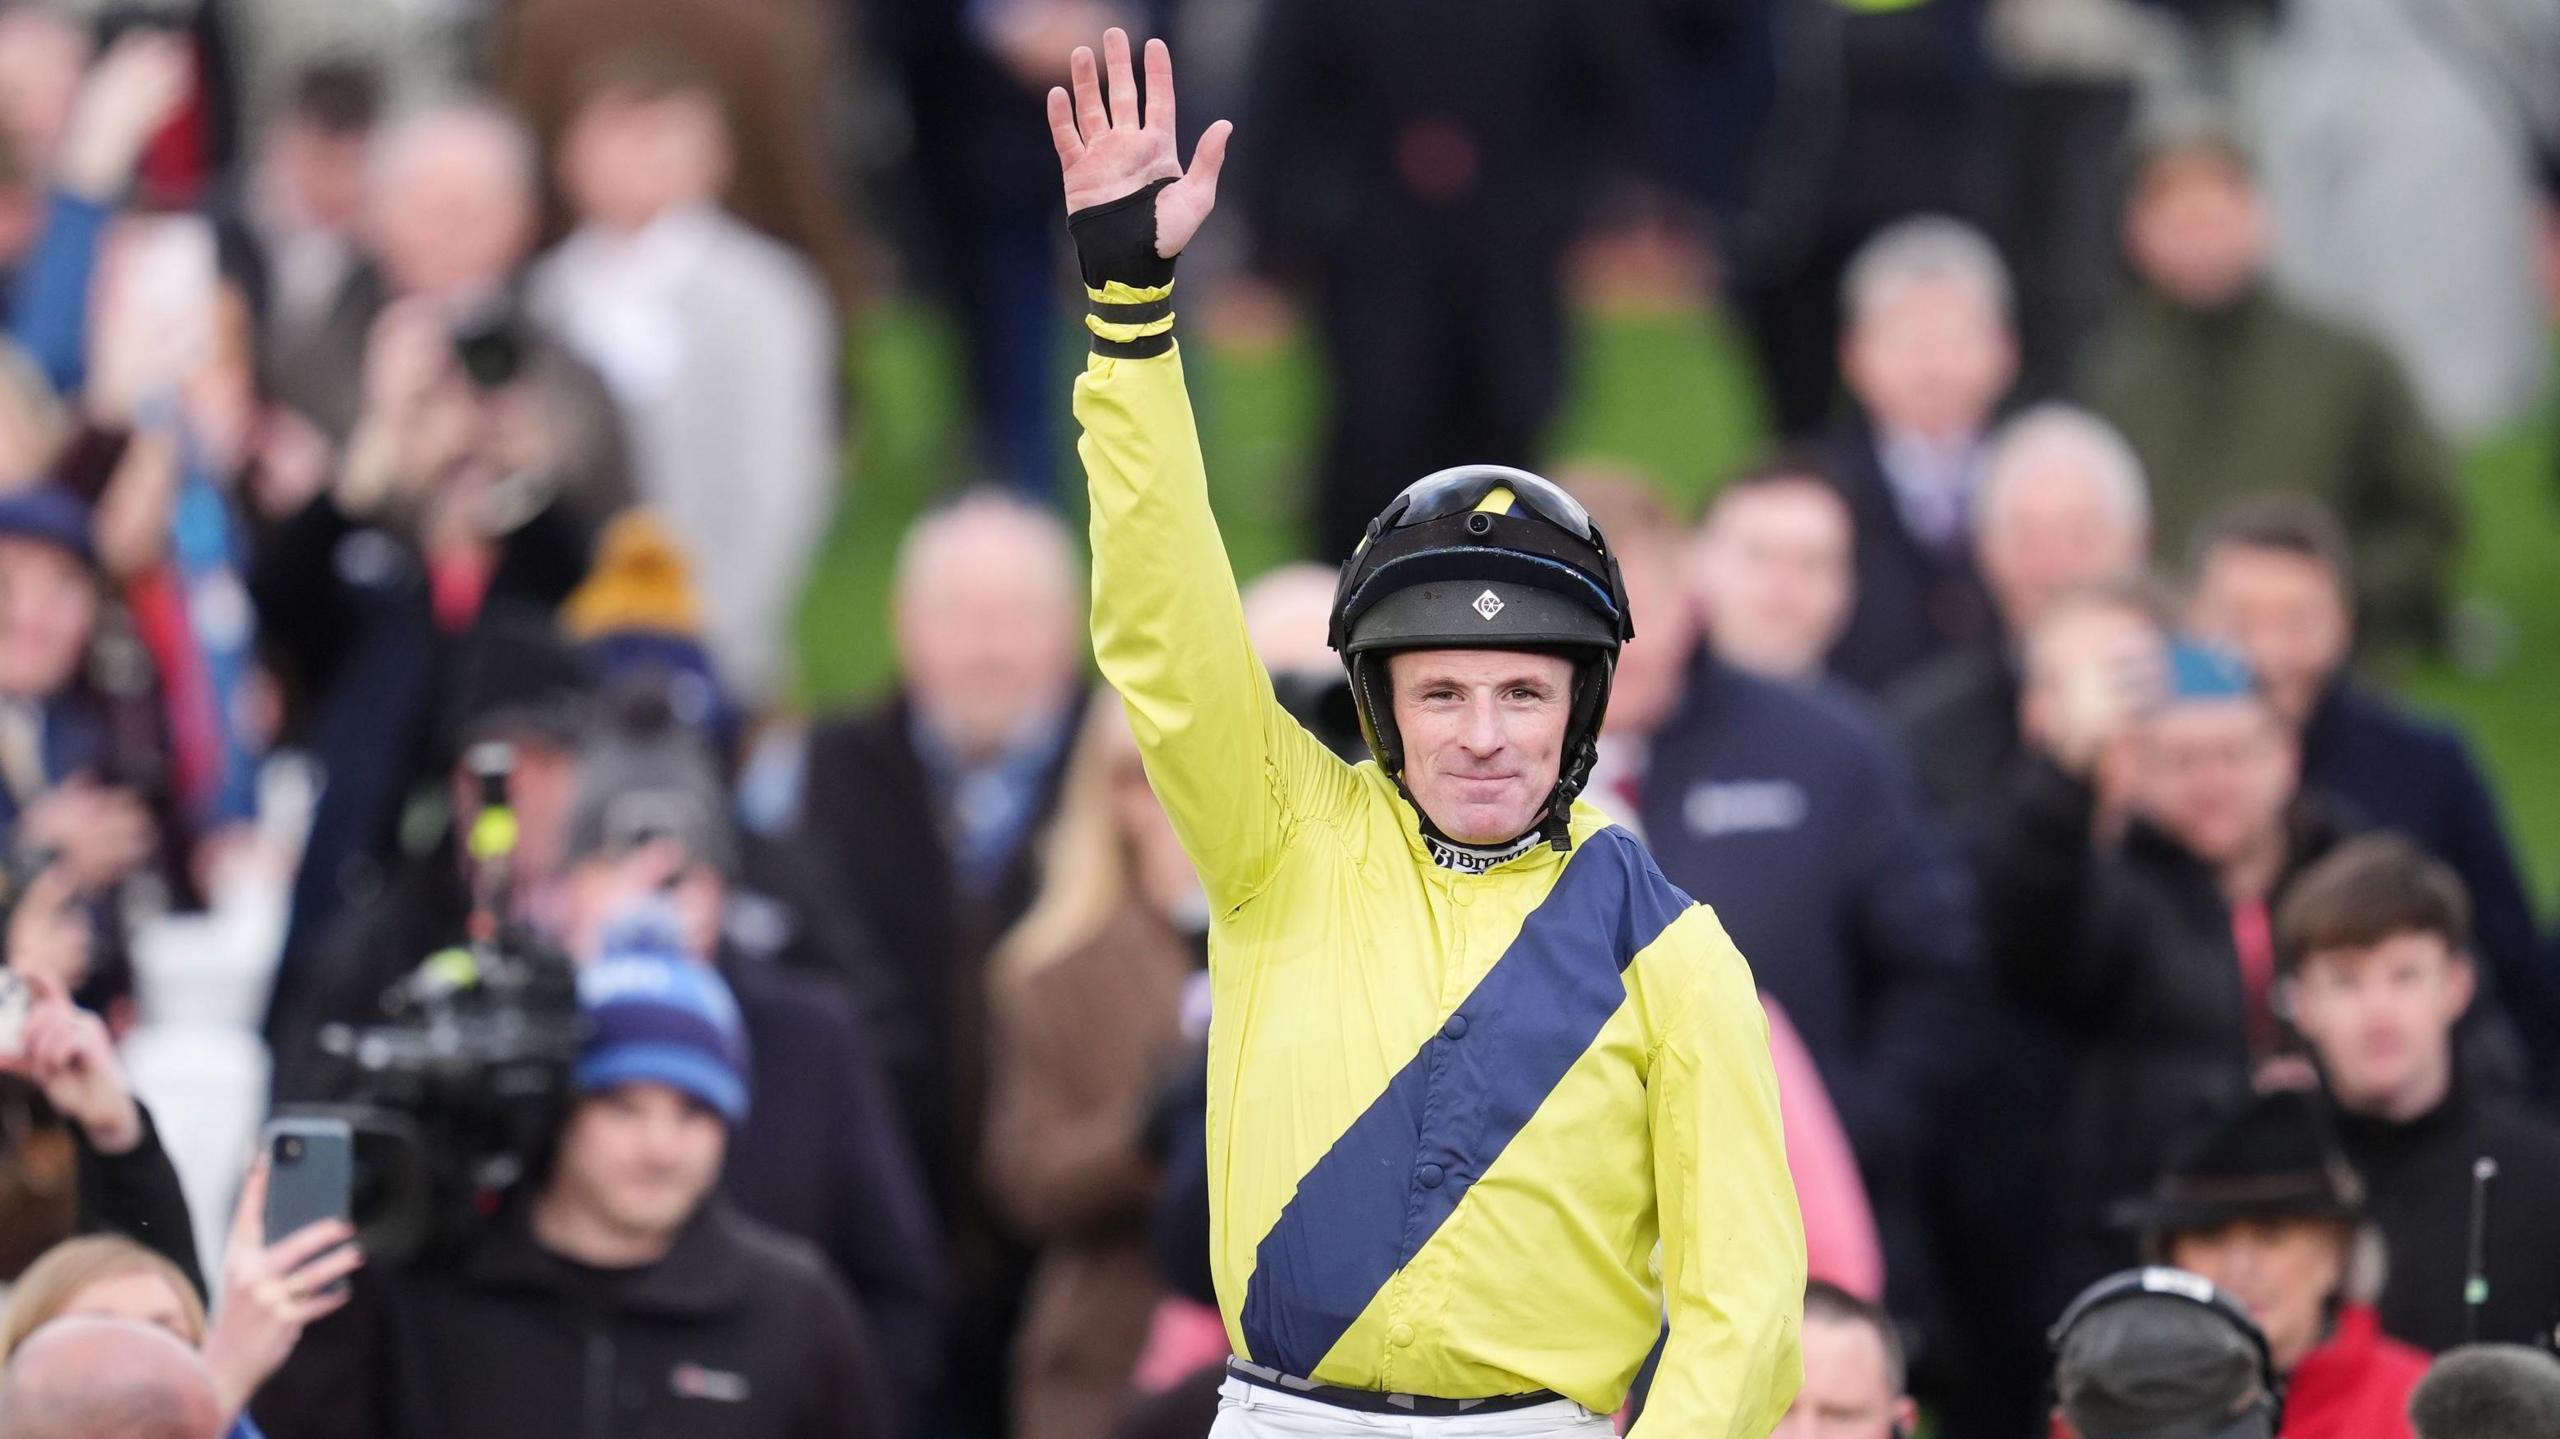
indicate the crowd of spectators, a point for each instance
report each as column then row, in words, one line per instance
column 418, row 423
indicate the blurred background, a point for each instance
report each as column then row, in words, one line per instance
column 674, row 395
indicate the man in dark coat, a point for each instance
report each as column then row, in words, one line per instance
column 2127, row 885
column 823, row 1156
column 2374, row 942
column 2063, row 505
column 2273, row 581
column 925, row 813
column 622, row 1296
column 1426, row 206
column 1787, row 807
column 2228, row 388
column 1927, row 352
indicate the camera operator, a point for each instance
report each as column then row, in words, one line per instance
column 621, row 1295
column 632, row 807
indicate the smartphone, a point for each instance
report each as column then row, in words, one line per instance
column 311, row 1173
column 16, row 999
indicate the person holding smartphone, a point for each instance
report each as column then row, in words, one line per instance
column 620, row 1294
column 136, row 1254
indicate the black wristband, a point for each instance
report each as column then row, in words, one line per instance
column 1117, row 241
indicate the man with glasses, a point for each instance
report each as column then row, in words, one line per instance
column 1487, row 1096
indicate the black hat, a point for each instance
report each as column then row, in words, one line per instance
column 2275, row 1158
column 1484, row 557
column 2161, row 1354
column 514, row 673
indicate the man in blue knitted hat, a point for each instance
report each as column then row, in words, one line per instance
column 2127, row 879
column 624, row 1296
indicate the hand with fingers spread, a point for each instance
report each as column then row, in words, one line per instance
column 67, row 1053
column 272, row 1292
column 1109, row 152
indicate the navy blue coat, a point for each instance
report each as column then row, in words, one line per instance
column 2397, row 771
column 1792, row 812
column 1914, row 603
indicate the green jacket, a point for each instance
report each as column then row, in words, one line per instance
column 2265, row 396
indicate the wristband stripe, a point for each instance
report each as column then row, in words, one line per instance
column 1141, row 349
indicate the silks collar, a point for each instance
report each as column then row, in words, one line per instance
column 1476, row 859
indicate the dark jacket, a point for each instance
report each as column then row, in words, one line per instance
column 873, row 817
column 1914, row 602
column 870, row 815
column 821, row 1156
column 1790, row 811
column 2418, row 1187
column 1957, row 717
column 2405, row 773
column 2129, row 949
column 2264, row 396
column 136, row 1194
column 737, row 1331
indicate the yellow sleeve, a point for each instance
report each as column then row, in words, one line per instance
column 1235, row 772
column 1733, row 1258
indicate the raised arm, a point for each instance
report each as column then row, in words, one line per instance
column 1237, row 775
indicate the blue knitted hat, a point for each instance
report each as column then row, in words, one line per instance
column 656, row 1015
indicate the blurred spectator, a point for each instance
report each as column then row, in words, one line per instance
column 76, row 757
column 2272, row 580
column 1788, row 809
column 83, row 1378
column 926, row 811
column 122, row 1179
column 1425, row 208
column 1771, row 570
column 2375, row 947
column 610, row 812
column 511, row 682
column 2227, row 387
column 778, row 70
column 2159, row 1351
column 2075, row 72
column 172, row 415
column 1288, row 613
column 2263, row 1204
column 2422, row 230
column 449, row 219
column 716, row 341
column 2488, row 1391
column 291, row 231
column 2127, row 885
column 2062, row 507
column 270, row 1294
column 1086, row 999
column 982, row 184
column 481, row 460
column 1927, row 351
column 1852, row 1372
column 621, row 1295
column 1874, row 114
column 80, row 138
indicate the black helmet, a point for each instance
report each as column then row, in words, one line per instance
column 1484, row 557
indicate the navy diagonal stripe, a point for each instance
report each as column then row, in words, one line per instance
column 1364, row 1211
